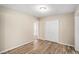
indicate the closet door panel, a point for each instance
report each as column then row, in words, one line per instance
column 52, row 30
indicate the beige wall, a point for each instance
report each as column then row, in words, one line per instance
column 17, row 29
column 66, row 27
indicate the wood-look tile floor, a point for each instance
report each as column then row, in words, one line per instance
column 43, row 47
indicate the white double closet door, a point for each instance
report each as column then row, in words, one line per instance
column 52, row 30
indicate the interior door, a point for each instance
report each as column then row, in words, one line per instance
column 52, row 30
column 77, row 33
column 36, row 29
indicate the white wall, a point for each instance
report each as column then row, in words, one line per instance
column 66, row 27
column 18, row 28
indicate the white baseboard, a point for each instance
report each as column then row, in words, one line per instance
column 14, row 47
column 60, row 43
column 65, row 44
column 32, row 41
column 77, row 49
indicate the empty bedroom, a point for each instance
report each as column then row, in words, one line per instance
column 39, row 28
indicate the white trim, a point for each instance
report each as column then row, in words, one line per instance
column 65, row 44
column 14, row 47
column 60, row 43
column 77, row 49
column 32, row 41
